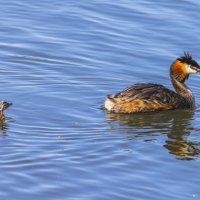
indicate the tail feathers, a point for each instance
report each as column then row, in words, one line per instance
column 109, row 103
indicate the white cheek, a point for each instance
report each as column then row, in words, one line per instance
column 190, row 70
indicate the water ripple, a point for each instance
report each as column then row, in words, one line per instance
column 58, row 62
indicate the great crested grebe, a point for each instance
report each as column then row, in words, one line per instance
column 148, row 97
column 3, row 106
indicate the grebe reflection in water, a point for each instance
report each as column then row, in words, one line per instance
column 176, row 125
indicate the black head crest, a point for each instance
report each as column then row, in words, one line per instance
column 187, row 58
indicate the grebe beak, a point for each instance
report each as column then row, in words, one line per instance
column 196, row 68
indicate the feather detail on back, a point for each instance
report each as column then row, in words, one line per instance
column 144, row 98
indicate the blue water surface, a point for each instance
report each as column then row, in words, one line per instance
column 58, row 61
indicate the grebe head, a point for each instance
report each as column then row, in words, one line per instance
column 183, row 66
column 4, row 105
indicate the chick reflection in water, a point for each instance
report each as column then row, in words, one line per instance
column 177, row 125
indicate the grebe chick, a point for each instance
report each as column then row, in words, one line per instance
column 3, row 105
column 148, row 97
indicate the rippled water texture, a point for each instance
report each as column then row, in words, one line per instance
column 58, row 61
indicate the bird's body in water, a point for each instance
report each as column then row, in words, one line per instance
column 3, row 105
column 148, row 97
